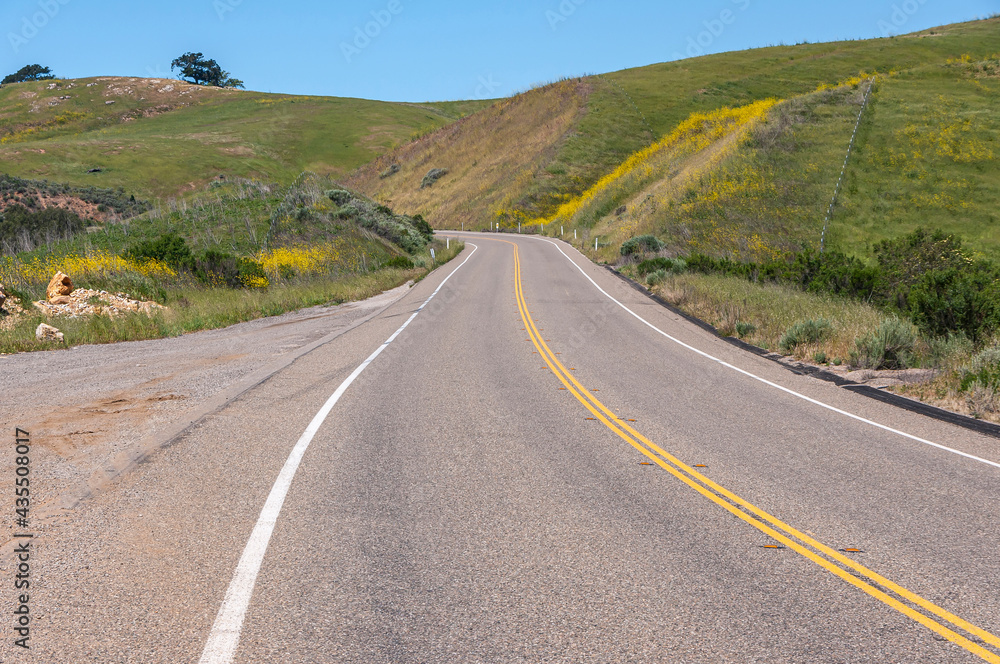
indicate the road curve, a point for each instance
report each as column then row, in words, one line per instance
column 544, row 465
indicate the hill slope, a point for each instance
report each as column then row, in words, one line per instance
column 627, row 111
column 159, row 137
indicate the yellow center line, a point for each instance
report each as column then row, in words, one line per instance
column 764, row 521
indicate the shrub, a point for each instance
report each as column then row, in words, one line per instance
column 805, row 332
column 399, row 262
column 744, row 330
column 22, row 229
column 957, row 300
column 982, row 370
column 888, row 347
column 943, row 351
column 392, row 170
column 657, row 277
column 347, row 212
column 904, row 260
column 641, row 243
column 422, row 226
column 652, row 265
column 433, row 176
column 339, row 196
column 218, row 268
column 671, row 265
column 169, row 248
column 819, row 357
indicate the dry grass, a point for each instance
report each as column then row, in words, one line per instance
column 493, row 159
column 956, row 358
column 644, row 209
column 725, row 301
column 980, row 403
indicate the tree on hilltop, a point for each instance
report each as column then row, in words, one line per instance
column 29, row 73
column 195, row 68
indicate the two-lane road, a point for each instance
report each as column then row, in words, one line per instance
column 541, row 465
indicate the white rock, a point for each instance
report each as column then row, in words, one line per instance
column 48, row 333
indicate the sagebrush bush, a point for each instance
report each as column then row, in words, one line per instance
column 805, row 332
column 656, row 277
column 942, row 351
column 888, row 347
column 346, row 212
column 339, row 196
column 744, row 329
column 641, row 243
column 982, row 370
column 433, row 176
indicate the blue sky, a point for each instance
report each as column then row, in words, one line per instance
column 420, row 50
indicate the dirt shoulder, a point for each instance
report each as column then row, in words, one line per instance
column 88, row 404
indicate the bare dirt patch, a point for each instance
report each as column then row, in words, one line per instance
column 238, row 151
column 69, row 430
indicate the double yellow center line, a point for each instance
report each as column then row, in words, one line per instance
column 939, row 620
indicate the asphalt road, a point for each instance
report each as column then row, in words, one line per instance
column 528, row 472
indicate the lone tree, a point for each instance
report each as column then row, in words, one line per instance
column 29, row 73
column 196, row 69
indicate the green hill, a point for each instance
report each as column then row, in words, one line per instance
column 165, row 138
column 767, row 185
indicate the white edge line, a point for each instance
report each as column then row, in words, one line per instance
column 225, row 635
column 764, row 380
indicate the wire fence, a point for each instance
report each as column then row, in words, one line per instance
column 843, row 170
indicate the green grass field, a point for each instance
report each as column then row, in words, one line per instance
column 163, row 138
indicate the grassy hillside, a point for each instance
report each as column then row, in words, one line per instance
column 925, row 156
column 235, row 251
column 625, row 112
column 164, row 138
column 492, row 158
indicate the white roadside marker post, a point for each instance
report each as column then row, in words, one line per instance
column 433, row 259
column 447, row 243
column 595, row 242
